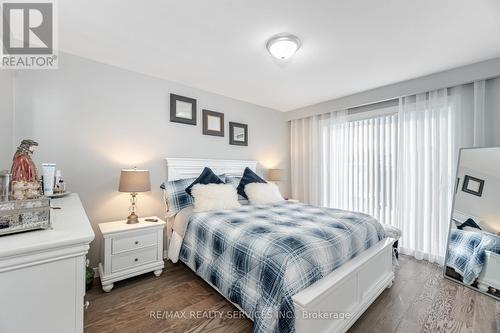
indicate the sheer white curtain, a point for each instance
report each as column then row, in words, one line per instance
column 479, row 130
column 312, row 148
column 427, row 156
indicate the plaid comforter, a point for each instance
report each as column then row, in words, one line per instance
column 466, row 252
column 259, row 256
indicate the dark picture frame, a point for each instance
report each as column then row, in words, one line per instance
column 234, row 130
column 180, row 112
column 206, row 128
column 467, row 189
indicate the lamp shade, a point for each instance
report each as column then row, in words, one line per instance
column 274, row 175
column 134, row 180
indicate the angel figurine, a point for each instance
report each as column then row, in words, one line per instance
column 25, row 184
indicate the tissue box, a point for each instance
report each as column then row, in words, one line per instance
column 23, row 215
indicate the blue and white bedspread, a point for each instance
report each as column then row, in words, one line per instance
column 259, row 256
column 466, row 252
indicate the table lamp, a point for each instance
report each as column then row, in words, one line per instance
column 274, row 175
column 134, row 181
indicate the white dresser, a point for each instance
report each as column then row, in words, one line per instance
column 42, row 273
column 130, row 250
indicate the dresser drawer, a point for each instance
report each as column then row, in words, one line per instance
column 134, row 242
column 132, row 259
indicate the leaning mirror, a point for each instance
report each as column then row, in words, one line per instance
column 473, row 248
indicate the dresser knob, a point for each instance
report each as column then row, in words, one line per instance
column 136, row 242
column 136, row 259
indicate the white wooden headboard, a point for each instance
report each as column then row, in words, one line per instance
column 462, row 217
column 181, row 168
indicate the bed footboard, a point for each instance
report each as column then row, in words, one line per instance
column 335, row 302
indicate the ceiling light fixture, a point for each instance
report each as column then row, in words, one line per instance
column 283, row 46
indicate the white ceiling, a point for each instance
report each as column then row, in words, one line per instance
column 348, row 46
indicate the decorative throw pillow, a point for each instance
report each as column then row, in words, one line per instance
column 235, row 181
column 214, row 197
column 469, row 223
column 259, row 193
column 248, row 177
column 207, row 176
column 176, row 196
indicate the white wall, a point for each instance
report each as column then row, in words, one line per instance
column 450, row 78
column 6, row 116
column 94, row 119
column 487, row 206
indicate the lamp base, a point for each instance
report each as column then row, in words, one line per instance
column 132, row 218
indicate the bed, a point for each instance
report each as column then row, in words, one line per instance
column 474, row 254
column 294, row 267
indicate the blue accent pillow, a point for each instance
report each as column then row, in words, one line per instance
column 469, row 223
column 248, row 177
column 207, row 176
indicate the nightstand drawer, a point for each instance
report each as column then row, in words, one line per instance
column 135, row 258
column 134, row 242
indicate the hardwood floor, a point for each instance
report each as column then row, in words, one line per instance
column 420, row 300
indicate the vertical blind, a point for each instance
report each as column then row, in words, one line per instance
column 346, row 164
column 363, row 167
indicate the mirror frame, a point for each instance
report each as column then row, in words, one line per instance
column 450, row 224
column 232, row 125
column 173, row 109
column 220, row 116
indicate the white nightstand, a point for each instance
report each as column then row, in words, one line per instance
column 130, row 250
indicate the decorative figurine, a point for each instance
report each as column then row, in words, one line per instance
column 25, row 183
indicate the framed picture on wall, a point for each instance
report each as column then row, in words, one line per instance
column 213, row 123
column 238, row 134
column 473, row 185
column 182, row 109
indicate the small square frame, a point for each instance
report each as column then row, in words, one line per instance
column 232, row 126
column 173, row 109
column 220, row 115
column 465, row 186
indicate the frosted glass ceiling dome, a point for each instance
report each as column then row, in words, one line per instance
column 283, row 46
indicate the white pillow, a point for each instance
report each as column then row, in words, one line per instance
column 214, row 196
column 263, row 193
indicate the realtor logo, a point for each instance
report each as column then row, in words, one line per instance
column 28, row 35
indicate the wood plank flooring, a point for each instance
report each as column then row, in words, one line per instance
column 420, row 300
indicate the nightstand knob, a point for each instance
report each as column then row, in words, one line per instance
column 136, row 242
column 136, row 259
